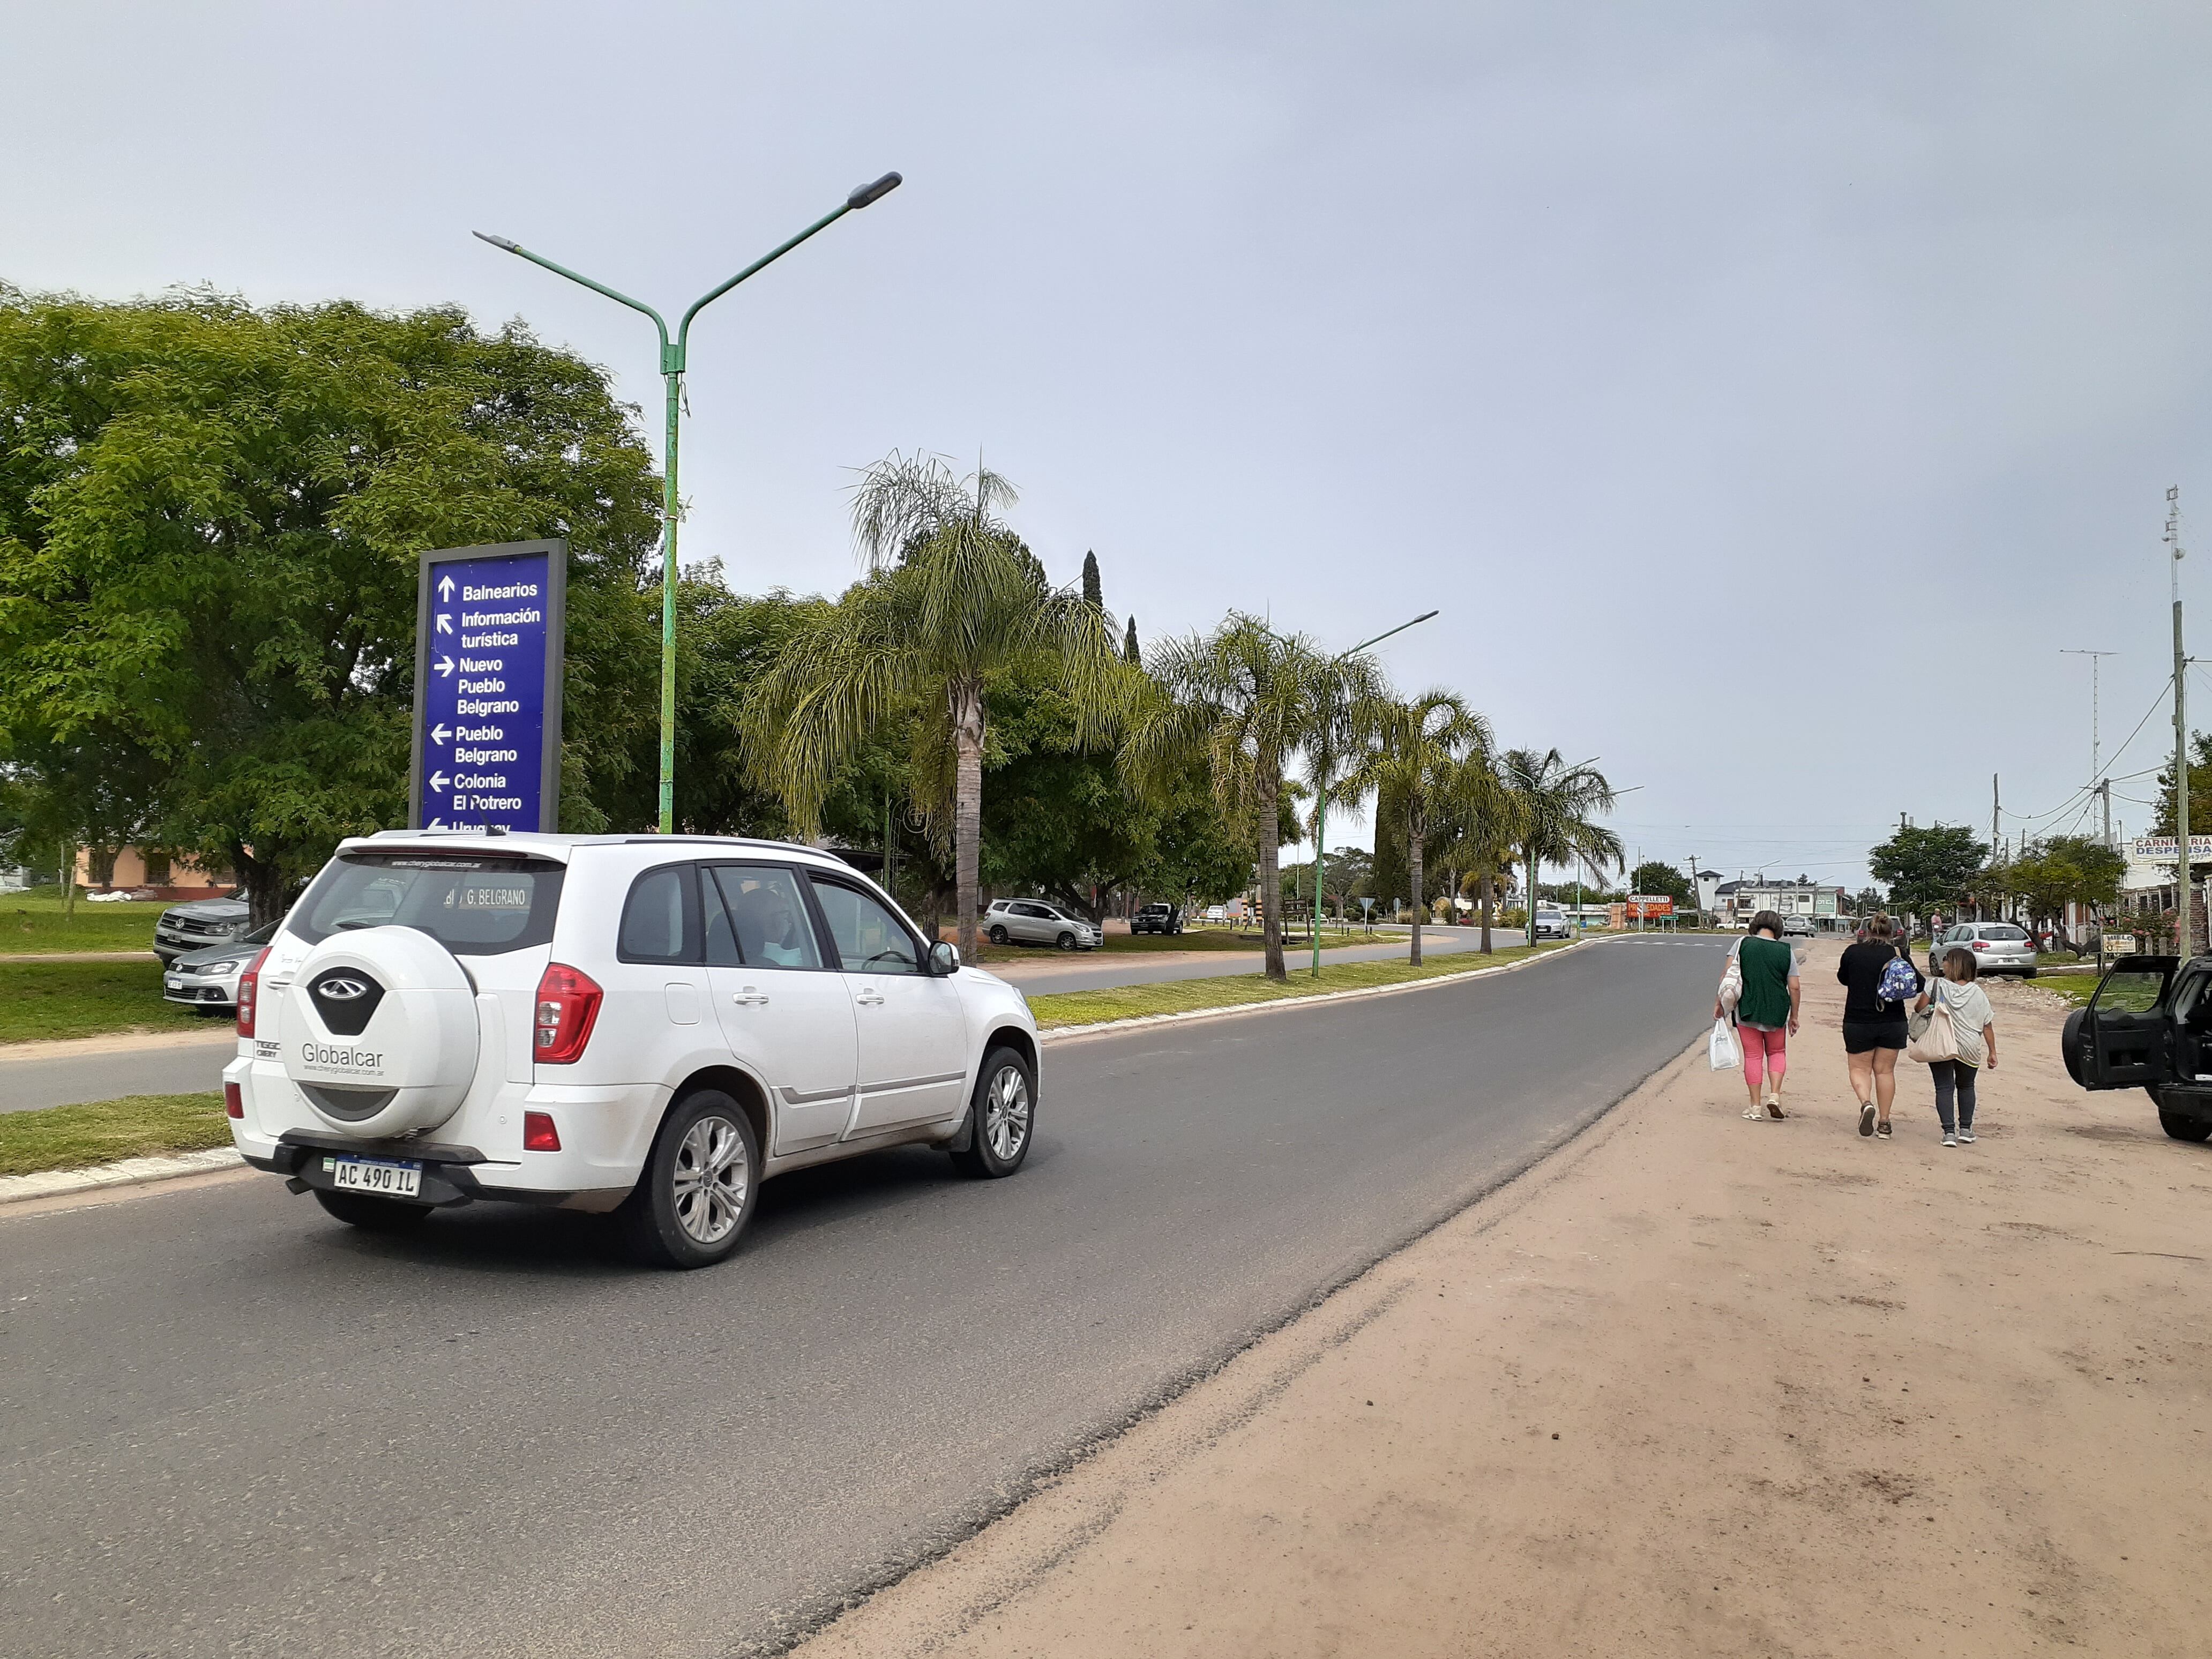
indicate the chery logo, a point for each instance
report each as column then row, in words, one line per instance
column 343, row 990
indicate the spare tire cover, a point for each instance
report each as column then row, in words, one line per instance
column 380, row 1031
column 2070, row 1041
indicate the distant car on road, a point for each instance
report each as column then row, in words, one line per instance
column 208, row 979
column 1999, row 947
column 1037, row 921
column 1796, row 926
column 1156, row 919
column 1217, row 912
column 1553, row 923
column 197, row 924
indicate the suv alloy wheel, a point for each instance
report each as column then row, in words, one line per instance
column 998, row 935
column 1066, row 941
column 699, row 1186
column 1002, row 1113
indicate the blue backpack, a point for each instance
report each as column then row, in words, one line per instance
column 1898, row 981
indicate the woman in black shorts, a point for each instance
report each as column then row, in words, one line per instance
column 1873, row 1029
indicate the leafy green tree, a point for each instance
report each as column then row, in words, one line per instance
column 210, row 519
column 1247, row 699
column 1484, row 818
column 2065, row 869
column 952, row 598
column 2200, row 797
column 1654, row 880
column 1927, row 868
column 1415, row 743
column 1556, row 806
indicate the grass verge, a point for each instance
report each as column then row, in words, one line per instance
column 33, row 922
column 45, row 999
column 138, row 1126
column 1197, row 939
column 1242, row 990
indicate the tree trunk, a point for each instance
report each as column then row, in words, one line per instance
column 1414, row 837
column 1529, row 899
column 966, row 698
column 1271, row 879
column 1484, row 895
column 264, row 883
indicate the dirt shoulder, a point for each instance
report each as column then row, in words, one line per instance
column 1694, row 1386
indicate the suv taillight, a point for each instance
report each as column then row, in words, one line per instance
column 249, row 992
column 567, row 1003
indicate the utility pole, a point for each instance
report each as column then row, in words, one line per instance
column 2105, row 788
column 2184, row 929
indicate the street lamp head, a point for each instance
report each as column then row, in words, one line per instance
column 1424, row 617
column 497, row 242
column 864, row 194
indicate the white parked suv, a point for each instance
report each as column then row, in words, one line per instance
column 651, row 1025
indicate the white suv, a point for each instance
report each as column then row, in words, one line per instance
column 651, row 1025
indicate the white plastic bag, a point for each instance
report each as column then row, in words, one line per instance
column 1722, row 1049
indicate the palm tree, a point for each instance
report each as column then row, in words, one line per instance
column 952, row 598
column 1412, row 746
column 1556, row 805
column 1248, row 699
column 1483, row 819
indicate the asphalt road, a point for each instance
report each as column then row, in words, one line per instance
column 231, row 1426
column 181, row 1067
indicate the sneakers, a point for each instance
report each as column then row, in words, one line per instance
column 1882, row 1129
column 1950, row 1138
column 1965, row 1135
column 1865, row 1117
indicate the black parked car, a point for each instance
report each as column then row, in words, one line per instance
column 1156, row 919
column 2149, row 1026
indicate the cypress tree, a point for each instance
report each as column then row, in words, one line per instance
column 1129, row 645
column 1090, row 589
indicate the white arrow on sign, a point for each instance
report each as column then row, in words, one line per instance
column 436, row 824
column 445, row 666
column 441, row 731
column 445, row 623
column 445, row 587
column 437, row 780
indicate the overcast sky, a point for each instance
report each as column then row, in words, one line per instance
column 1766, row 394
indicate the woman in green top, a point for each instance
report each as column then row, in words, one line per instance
column 1766, row 1012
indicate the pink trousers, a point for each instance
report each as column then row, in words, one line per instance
column 1764, row 1052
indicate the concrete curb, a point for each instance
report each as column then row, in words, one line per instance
column 130, row 1172
column 137, row 1171
column 1060, row 1033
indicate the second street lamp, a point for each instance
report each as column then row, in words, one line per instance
column 1320, row 795
column 673, row 353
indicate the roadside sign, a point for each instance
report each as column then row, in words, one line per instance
column 1642, row 908
column 490, row 629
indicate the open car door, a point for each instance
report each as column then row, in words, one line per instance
column 2125, row 1038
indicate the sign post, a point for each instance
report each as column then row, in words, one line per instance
column 490, row 625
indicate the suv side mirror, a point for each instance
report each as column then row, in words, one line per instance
column 944, row 959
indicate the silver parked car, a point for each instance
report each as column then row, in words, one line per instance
column 1035, row 921
column 208, row 978
column 1552, row 922
column 1999, row 947
column 196, row 925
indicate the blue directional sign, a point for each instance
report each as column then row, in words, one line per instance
column 489, row 635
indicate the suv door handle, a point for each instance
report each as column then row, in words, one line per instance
column 868, row 997
column 748, row 998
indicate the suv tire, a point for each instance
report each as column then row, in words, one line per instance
column 998, row 936
column 699, row 1186
column 1066, row 941
column 371, row 1214
column 1002, row 1115
column 2183, row 1128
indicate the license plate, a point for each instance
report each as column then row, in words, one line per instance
column 173, row 983
column 383, row 1176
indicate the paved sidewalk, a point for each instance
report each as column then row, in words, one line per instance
column 1696, row 1386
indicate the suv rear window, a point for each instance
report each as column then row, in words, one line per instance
column 479, row 907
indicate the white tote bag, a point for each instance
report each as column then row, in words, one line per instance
column 1722, row 1049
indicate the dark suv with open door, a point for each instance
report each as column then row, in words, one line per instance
column 2149, row 1026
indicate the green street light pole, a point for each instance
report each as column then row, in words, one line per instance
column 672, row 355
column 1320, row 798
